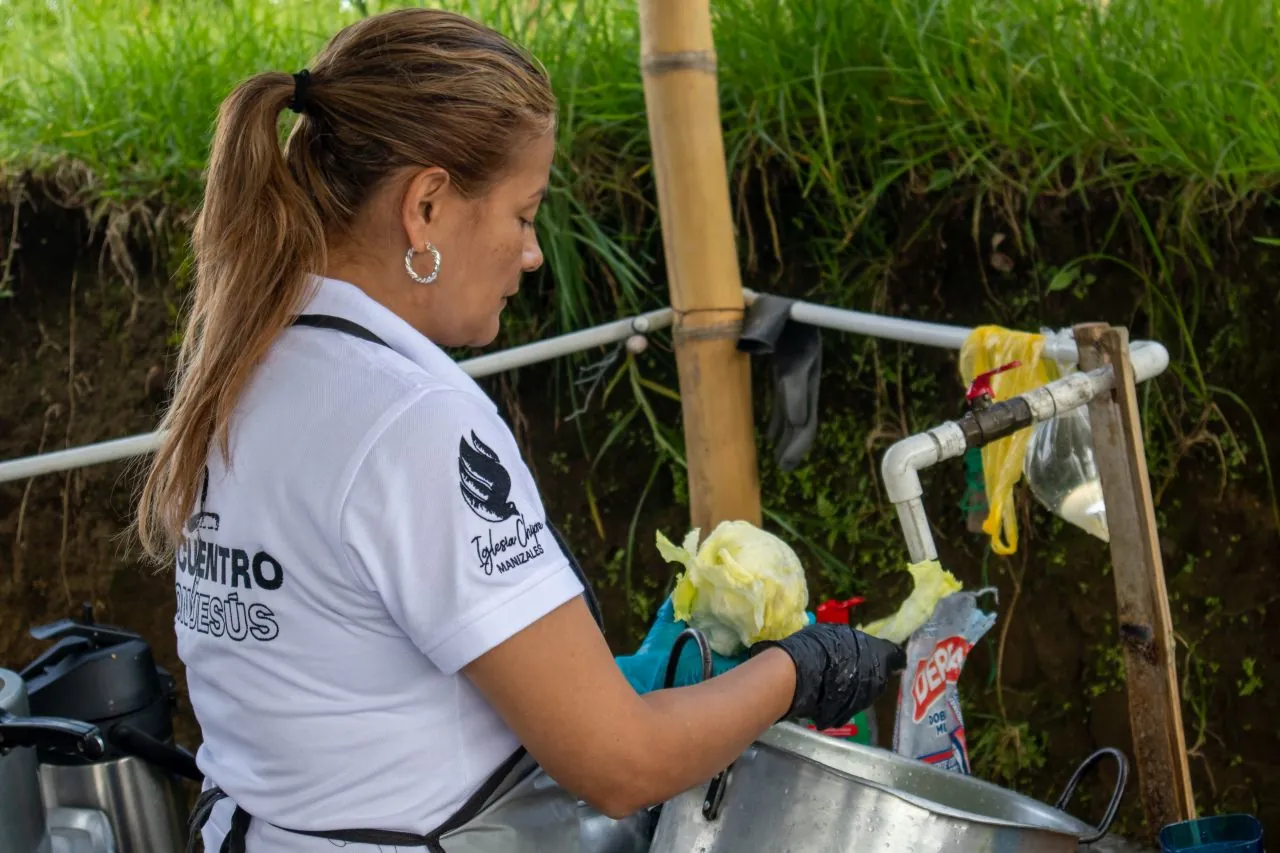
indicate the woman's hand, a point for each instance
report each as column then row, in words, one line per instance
column 864, row 663
column 559, row 689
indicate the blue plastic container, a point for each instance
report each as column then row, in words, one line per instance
column 1232, row 833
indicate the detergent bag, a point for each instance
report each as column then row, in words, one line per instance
column 741, row 586
column 930, row 727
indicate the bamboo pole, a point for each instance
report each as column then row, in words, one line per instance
column 678, row 64
column 1142, row 602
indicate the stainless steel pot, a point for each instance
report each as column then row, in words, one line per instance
column 599, row 833
column 797, row 790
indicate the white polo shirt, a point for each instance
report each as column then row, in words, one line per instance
column 376, row 531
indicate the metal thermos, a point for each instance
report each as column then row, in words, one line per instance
column 107, row 676
column 25, row 825
column 22, row 821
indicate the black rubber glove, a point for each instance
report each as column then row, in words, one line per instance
column 839, row 671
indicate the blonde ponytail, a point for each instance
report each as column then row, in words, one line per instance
column 257, row 238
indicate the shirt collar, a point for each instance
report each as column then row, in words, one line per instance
column 344, row 299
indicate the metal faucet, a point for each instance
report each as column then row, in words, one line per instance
column 903, row 461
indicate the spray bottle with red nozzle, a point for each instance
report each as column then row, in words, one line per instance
column 860, row 729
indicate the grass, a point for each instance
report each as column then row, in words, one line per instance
column 845, row 101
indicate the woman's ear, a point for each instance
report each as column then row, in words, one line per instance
column 421, row 206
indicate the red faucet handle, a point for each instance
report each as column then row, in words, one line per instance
column 980, row 388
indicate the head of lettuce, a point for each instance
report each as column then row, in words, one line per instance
column 741, row 586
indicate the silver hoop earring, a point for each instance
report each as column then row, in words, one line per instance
column 435, row 271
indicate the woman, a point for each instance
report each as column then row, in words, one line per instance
column 376, row 620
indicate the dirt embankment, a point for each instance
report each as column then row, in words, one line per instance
column 85, row 358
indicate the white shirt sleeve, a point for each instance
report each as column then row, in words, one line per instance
column 444, row 522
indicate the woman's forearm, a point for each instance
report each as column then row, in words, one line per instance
column 689, row 734
column 560, row 690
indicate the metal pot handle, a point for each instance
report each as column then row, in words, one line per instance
column 715, row 789
column 1122, row 778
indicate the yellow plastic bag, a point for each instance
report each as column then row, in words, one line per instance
column 987, row 348
column 742, row 586
column 932, row 584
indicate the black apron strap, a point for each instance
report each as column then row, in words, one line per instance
column 593, row 603
column 235, row 839
column 339, row 324
column 200, row 815
column 236, row 836
column 481, row 798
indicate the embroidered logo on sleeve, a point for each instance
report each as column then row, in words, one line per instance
column 486, row 487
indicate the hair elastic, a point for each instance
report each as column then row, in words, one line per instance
column 300, row 81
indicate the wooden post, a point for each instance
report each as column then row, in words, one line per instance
column 678, row 63
column 1146, row 626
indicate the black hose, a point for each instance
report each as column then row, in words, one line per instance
column 673, row 662
column 171, row 759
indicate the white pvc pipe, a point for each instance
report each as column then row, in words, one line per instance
column 916, row 332
column 79, row 457
column 485, row 365
column 839, row 319
column 878, row 326
column 902, row 462
column 609, row 333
